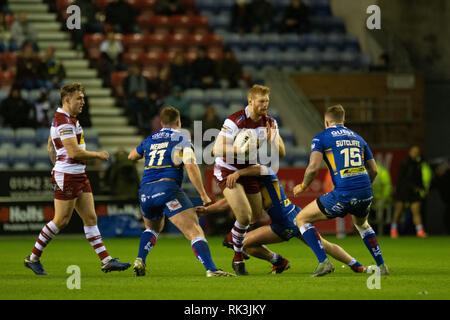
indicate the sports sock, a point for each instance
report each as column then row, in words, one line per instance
column 95, row 239
column 356, row 266
column 277, row 259
column 148, row 241
column 393, row 226
column 370, row 240
column 419, row 227
column 239, row 231
column 48, row 232
column 312, row 238
column 274, row 259
column 201, row 251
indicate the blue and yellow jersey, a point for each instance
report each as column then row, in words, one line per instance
column 345, row 154
column 275, row 202
column 163, row 151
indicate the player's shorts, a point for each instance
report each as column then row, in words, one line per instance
column 68, row 186
column 250, row 184
column 340, row 203
column 162, row 198
column 286, row 227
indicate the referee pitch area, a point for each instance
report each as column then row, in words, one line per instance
column 419, row 270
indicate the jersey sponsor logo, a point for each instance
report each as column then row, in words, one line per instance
column 240, row 119
column 173, row 205
column 350, row 172
column 65, row 131
column 342, row 132
column 143, row 198
column 158, row 195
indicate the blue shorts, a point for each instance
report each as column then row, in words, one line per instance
column 286, row 228
column 340, row 203
column 162, row 198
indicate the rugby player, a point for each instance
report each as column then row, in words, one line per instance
column 166, row 153
column 352, row 169
column 245, row 199
column 67, row 150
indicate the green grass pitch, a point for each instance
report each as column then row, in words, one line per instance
column 419, row 270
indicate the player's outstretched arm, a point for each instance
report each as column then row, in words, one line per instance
column 315, row 160
column 194, row 174
column 134, row 155
column 219, row 206
column 77, row 153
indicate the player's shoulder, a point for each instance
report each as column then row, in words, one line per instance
column 61, row 118
column 238, row 117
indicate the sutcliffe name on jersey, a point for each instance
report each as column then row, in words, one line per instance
column 347, row 143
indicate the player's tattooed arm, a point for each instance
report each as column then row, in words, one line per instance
column 51, row 150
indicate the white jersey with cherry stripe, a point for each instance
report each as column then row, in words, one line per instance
column 65, row 126
column 234, row 124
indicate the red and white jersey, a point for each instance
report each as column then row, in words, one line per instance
column 65, row 126
column 234, row 124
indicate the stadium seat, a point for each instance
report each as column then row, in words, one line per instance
column 252, row 41
column 291, row 41
column 312, row 40
column 3, row 95
column 25, row 135
column 93, row 40
column 271, row 41
column 42, row 136
column 194, row 95
column 196, row 110
column 236, row 95
column 219, row 21
column 215, row 96
column 133, row 43
column 160, row 24
column 41, row 155
column 351, row 43
column 55, row 97
column 330, row 58
column 21, row 156
column 207, row 5
column 335, row 40
column 42, row 165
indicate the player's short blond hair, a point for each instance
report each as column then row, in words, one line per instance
column 69, row 89
column 169, row 115
column 335, row 113
column 258, row 90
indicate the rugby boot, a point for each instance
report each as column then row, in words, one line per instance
column 394, row 233
column 281, row 267
column 323, row 268
column 239, row 268
column 421, row 234
column 218, row 273
column 139, row 267
column 114, row 265
column 384, row 271
column 35, row 266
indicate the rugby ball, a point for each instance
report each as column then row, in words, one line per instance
column 245, row 139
